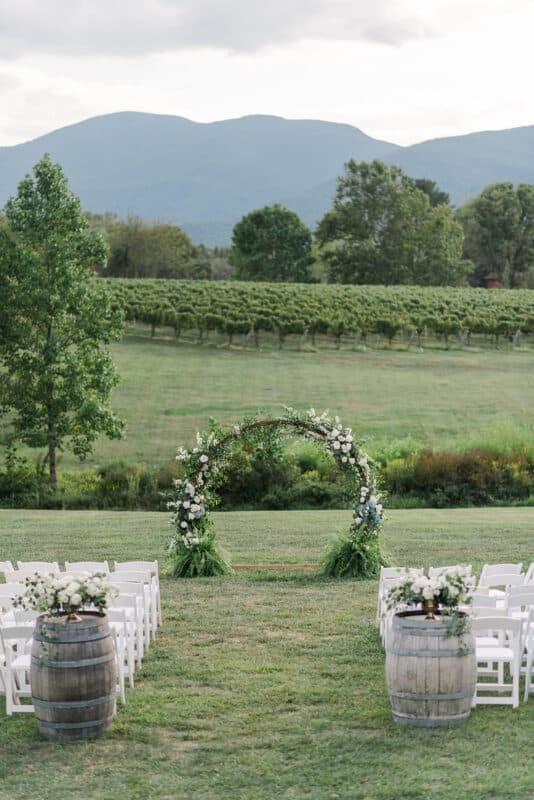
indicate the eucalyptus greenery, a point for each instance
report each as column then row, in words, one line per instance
column 193, row 548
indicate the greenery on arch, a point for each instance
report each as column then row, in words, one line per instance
column 193, row 549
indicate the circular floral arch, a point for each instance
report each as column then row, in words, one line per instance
column 355, row 553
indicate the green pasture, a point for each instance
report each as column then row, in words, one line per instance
column 436, row 398
column 270, row 683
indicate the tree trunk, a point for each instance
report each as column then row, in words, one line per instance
column 52, row 467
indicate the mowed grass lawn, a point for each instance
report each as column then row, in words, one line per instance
column 270, row 683
column 437, row 398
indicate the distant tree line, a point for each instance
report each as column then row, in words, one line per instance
column 384, row 227
column 138, row 249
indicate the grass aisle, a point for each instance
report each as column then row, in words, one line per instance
column 270, row 684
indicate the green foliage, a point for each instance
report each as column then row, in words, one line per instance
column 58, row 372
column 206, row 560
column 474, row 477
column 430, row 188
column 22, row 484
column 346, row 558
column 140, row 250
column 272, row 244
column 333, row 310
column 499, row 232
column 383, row 229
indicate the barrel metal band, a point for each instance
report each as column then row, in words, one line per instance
column 432, row 653
column 88, row 637
column 92, row 723
column 419, row 696
column 72, row 703
column 406, row 631
column 85, row 662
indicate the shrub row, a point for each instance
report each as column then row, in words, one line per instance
column 303, row 479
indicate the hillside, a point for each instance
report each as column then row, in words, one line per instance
column 205, row 176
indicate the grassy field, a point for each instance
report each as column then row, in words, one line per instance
column 434, row 398
column 270, row 684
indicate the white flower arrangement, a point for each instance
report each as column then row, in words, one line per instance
column 66, row 594
column 447, row 590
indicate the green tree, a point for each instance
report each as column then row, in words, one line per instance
column 272, row 244
column 139, row 250
column 432, row 190
column 499, row 232
column 382, row 229
column 57, row 372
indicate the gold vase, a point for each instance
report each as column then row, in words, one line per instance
column 431, row 607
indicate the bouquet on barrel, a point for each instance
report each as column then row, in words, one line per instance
column 445, row 591
column 66, row 595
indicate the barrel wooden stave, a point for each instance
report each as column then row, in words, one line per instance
column 430, row 674
column 73, row 677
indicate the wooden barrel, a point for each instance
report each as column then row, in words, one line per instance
column 430, row 673
column 73, row 676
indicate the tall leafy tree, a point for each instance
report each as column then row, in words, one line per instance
column 383, row 229
column 272, row 244
column 499, row 232
column 57, row 374
column 435, row 195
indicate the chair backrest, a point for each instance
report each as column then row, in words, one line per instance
column 143, row 566
column 19, row 575
column 520, row 596
column 483, row 601
column 6, row 565
column 24, row 616
column 12, row 589
column 493, row 622
column 497, row 569
column 502, row 579
column 435, row 572
column 87, row 566
column 529, row 574
column 13, row 634
column 134, row 576
column 484, row 611
column 38, row 566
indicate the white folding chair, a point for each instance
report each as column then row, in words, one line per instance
column 435, row 572
column 145, row 578
column 124, row 625
column 153, row 567
column 133, row 604
column 388, row 577
column 528, row 650
column 6, row 566
column 529, row 574
column 119, row 644
column 23, row 616
column 51, row 567
column 20, row 575
column 503, row 650
column 518, row 601
column 9, row 591
column 498, row 569
column 16, row 640
column 87, row 566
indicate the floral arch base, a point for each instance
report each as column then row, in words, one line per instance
column 193, row 548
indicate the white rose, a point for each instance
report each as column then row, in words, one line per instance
column 186, row 503
column 76, row 599
column 203, row 459
column 63, row 597
column 183, row 524
column 336, row 445
column 344, row 459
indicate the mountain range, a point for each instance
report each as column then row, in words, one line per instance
column 205, row 176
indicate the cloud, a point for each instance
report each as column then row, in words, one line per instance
column 143, row 27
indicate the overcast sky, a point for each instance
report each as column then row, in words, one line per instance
column 401, row 70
